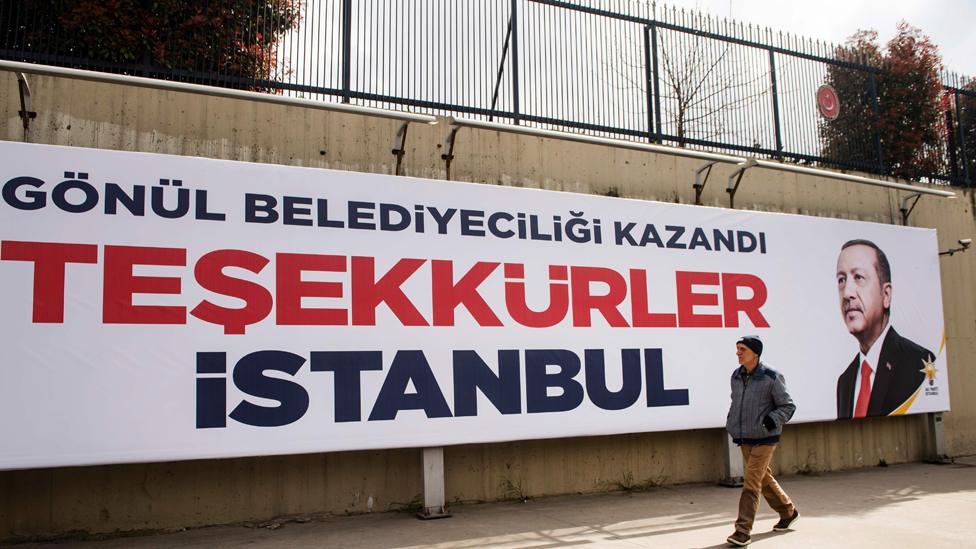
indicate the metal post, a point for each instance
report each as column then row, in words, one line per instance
column 962, row 140
column 144, row 68
column 515, row 71
column 26, row 113
column 501, row 68
column 346, row 49
column 400, row 147
column 905, row 209
column 873, row 90
column 657, row 85
column 448, row 147
column 699, row 184
column 937, row 439
column 433, row 485
column 776, row 123
column 732, row 476
column 951, row 146
column 736, row 176
column 649, row 82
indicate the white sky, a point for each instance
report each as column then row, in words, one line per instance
column 948, row 22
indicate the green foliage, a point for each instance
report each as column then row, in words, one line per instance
column 237, row 38
column 908, row 118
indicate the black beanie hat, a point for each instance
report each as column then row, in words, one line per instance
column 753, row 342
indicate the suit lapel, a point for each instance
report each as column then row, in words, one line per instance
column 845, row 391
column 883, row 375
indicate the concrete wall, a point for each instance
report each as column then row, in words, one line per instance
column 193, row 493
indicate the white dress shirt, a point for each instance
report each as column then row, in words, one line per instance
column 872, row 356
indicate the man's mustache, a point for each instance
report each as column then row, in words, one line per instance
column 848, row 306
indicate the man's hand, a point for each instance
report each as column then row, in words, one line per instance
column 768, row 423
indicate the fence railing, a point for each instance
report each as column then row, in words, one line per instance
column 620, row 68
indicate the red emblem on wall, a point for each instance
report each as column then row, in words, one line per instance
column 827, row 102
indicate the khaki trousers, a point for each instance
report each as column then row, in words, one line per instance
column 758, row 479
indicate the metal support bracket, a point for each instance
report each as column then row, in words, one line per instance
column 400, row 146
column 905, row 209
column 700, row 181
column 732, row 457
column 25, row 112
column 448, row 155
column 737, row 176
column 937, row 445
column 433, row 485
column 964, row 244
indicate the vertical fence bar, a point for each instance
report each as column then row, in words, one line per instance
column 346, row 48
column 501, row 68
column 648, row 77
column 951, row 146
column 873, row 90
column 962, row 139
column 775, row 94
column 515, row 65
column 144, row 68
column 657, row 81
column 555, row 61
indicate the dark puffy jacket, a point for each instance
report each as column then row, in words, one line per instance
column 753, row 398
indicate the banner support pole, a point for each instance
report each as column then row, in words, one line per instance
column 936, row 429
column 732, row 458
column 433, row 459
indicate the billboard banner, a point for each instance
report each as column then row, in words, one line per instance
column 162, row 307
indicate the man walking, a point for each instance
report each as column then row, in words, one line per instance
column 760, row 408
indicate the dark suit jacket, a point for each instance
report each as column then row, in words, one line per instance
column 897, row 377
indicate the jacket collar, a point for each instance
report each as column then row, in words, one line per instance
column 760, row 369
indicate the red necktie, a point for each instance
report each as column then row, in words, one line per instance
column 864, row 393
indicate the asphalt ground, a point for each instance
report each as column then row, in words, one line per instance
column 910, row 505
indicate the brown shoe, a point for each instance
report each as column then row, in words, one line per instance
column 785, row 523
column 739, row 539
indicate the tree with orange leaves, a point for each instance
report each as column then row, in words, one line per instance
column 906, row 119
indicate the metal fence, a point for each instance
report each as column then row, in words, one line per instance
column 620, row 68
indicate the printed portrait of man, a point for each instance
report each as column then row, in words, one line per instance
column 886, row 372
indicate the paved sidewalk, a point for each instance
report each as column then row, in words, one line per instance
column 914, row 505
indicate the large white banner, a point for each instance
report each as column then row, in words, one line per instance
column 161, row 307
